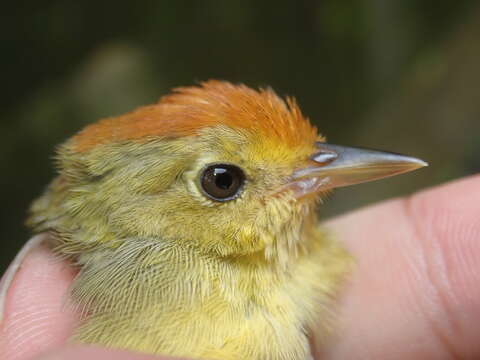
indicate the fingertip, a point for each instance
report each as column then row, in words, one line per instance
column 447, row 222
column 35, row 316
column 9, row 275
column 417, row 272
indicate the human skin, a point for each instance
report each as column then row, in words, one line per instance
column 413, row 295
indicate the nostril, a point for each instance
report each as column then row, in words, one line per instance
column 324, row 157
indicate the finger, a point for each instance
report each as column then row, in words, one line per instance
column 95, row 353
column 414, row 293
column 12, row 270
column 35, row 316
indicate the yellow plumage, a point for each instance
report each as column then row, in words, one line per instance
column 165, row 267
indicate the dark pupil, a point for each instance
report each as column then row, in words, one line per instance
column 222, row 182
column 223, row 179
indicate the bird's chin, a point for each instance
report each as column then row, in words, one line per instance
column 305, row 188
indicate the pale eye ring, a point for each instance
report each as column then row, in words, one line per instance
column 222, row 182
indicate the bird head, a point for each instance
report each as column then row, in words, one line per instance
column 223, row 168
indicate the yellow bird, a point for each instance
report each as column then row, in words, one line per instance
column 193, row 224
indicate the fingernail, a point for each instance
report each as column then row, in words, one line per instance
column 9, row 275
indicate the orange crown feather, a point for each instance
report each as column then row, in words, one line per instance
column 189, row 109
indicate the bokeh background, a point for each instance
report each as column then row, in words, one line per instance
column 402, row 75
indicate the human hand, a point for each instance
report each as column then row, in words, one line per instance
column 413, row 295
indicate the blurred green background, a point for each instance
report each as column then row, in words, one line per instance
column 402, row 75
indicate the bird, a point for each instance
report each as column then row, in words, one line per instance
column 193, row 224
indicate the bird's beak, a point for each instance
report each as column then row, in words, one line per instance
column 335, row 166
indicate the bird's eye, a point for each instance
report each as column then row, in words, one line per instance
column 222, row 182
